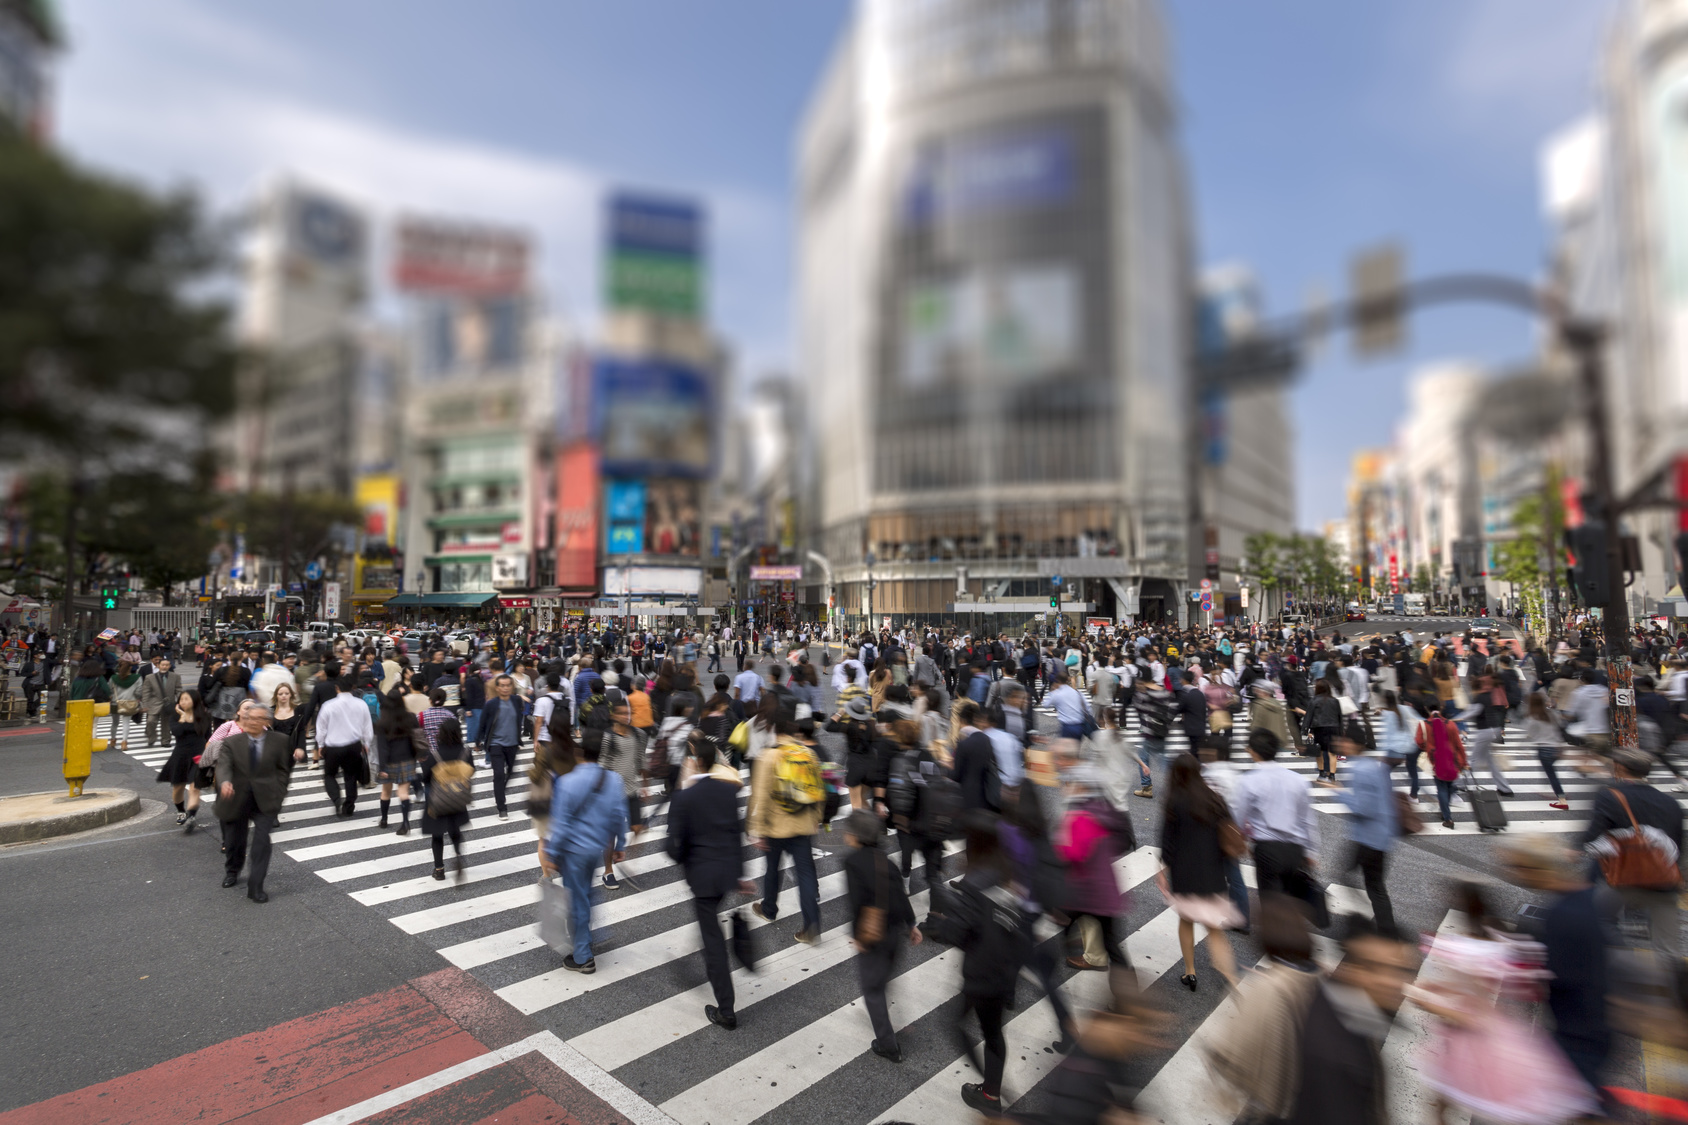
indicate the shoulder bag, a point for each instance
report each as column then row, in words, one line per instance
column 870, row 923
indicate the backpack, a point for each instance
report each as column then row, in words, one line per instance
column 1154, row 717
column 939, row 817
column 900, row 788
column 1636, row 856
column 798, row 785
column 372, row 700
column 595, row 713
column 448, row 787
column 558, row 726
column 226, row 702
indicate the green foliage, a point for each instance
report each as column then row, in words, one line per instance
column 110, row 352
column 1302, row 565
column 292, row 528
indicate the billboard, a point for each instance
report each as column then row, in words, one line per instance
column 510, row 569
column 994, row 324
column 673, row 518
column 435, row 256
column 654, row 252
column 624, row 512
column 469, row 333
column 776, row 574
column 652, row 418
column 577, row 517
column 378, row 497
column 324, row 230
column 970, row 175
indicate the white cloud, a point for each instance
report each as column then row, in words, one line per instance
column 176, row 91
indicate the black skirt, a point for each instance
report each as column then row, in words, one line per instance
column 180, row 769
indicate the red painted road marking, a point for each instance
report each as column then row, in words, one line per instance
column 25, row 730
column 466, row 1056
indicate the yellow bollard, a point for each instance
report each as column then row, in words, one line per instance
column 79, row 741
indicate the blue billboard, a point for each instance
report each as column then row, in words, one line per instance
column 624, row 500
column 653, row 418
column 1022, row 168
column 647, row 224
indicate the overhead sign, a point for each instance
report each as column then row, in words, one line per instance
column 313, row 571
column 776, row 574
column 515, row 603
column 434, row 256
column 654, row 247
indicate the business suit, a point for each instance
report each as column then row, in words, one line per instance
column 159, row 693
column 260, row 783
column 707, row 839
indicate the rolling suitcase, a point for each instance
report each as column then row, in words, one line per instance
column 1485, row 806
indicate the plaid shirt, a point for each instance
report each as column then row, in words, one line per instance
column 431, row 718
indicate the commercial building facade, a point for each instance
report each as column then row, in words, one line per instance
column 993, row 311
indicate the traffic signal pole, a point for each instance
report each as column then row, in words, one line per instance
column 1585, row 341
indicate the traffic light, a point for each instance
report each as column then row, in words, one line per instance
column 1054, row 601
column 109, row 596
column 1589, row 578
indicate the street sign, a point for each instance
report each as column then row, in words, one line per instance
column 1056, row 580
column 331, row 600
column 1207, row 585
column 1242, row 594
column 1624, row 697
column 313, row 571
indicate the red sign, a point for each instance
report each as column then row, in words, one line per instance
column 516, row 603
column 1394, row 575
column 577, row 517
column 459, row 258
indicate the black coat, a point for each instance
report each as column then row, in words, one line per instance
column 975, row 762
column 706, row 836
column 1192, row 713
column 875, row 880
column 1195, row 864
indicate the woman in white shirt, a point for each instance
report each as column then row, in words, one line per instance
column 1400, row 725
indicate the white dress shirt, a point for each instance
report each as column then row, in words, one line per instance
column 344, row 721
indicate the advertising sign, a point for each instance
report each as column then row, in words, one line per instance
column 331, row 600
column 624, row 510
column 324, row 230
column 654, row 251
column 510, row 569
column 673, row 518
column 625, row 539
column 998, row 171
column 776, row 574
column 993, row 324
column 577, row 517
column 652, row 418
column 437, row 256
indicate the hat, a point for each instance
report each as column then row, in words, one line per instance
column 858, row 708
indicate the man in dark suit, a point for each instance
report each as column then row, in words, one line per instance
column 975, row 768
column 252, row 775
column 706, row 837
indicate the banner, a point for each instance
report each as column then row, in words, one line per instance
column 577, row 517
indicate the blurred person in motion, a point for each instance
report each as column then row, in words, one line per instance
column 987, row 923
column 624, row 755
column 1543, row 733
column 588, row 814
column 396, row 736
column 787, row 797
column 1439, row 738
column 1373, row 824
column 1487, row 716
column 1483, row 1055
column 1195, row 824
column 705, row 837
column 883, row 920
column 1095, row 1084
column 1635, row 834
column 501, row 737
column 1273, row 806
column 1571, row 932
column 1093, row 836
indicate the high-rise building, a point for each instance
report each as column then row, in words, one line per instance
column 30, row 35
column 1615, row 191
column 994, row 311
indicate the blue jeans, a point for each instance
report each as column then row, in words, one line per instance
column 1151, row 752
column 578, row 868
column 471, row 726
column 1072, row 730
column 1444, row 798
column 1411, row 762
column 803, row 866
column 1239, row 889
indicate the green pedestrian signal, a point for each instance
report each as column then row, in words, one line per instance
column 109, row 596
column 1054, row 601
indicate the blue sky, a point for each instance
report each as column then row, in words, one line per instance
column 1312, row 128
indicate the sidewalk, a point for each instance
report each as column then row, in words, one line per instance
column 440, row 1048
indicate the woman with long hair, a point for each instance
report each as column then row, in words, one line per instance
column 1543, row 733
column 190, row 727
column 1324, row 719
column 448, row 747
column 879, row 683
column 1193, row 873
column 125, row 699
column 288, row 718
column 396, row 731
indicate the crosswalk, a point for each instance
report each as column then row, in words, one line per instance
column 802, row 1058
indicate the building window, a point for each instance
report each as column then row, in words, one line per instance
column 465, row 577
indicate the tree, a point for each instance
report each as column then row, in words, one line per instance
column 1421, row 580
column 294, row 528
column 115, row 357
column 1263, row 561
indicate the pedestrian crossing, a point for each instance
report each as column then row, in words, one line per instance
column 804, row 1057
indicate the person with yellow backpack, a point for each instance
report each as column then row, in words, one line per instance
column 787, row 796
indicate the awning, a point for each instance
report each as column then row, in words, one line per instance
column 402, row 600
column 465, row 600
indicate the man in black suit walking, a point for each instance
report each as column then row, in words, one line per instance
column 706, row 837
column 252, row 775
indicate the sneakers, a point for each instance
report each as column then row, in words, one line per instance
column 181, row 818
column 725, row 1022
column 1561, row 805
column 611, row 883
column 808, row 937
column 973, row 1093
column 573, row 966
column 1145, row 791
column 503, row 814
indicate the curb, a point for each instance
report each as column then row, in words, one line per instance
column 117, row 805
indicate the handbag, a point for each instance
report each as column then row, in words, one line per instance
column 740, row 738
column 1090, row 935
column 743, row 948
column 1407, row 820
column 448, row 787
column 870, row 923
column 128, row 706
column 555, row 928
column 1231, row 839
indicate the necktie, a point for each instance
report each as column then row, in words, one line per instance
column 257, row 745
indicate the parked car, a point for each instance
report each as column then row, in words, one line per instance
column 1482, row 627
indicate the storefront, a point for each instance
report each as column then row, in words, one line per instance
column 466, row 608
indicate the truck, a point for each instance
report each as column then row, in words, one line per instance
column 1412, row 605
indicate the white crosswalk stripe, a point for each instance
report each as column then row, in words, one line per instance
column 640, row 1016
